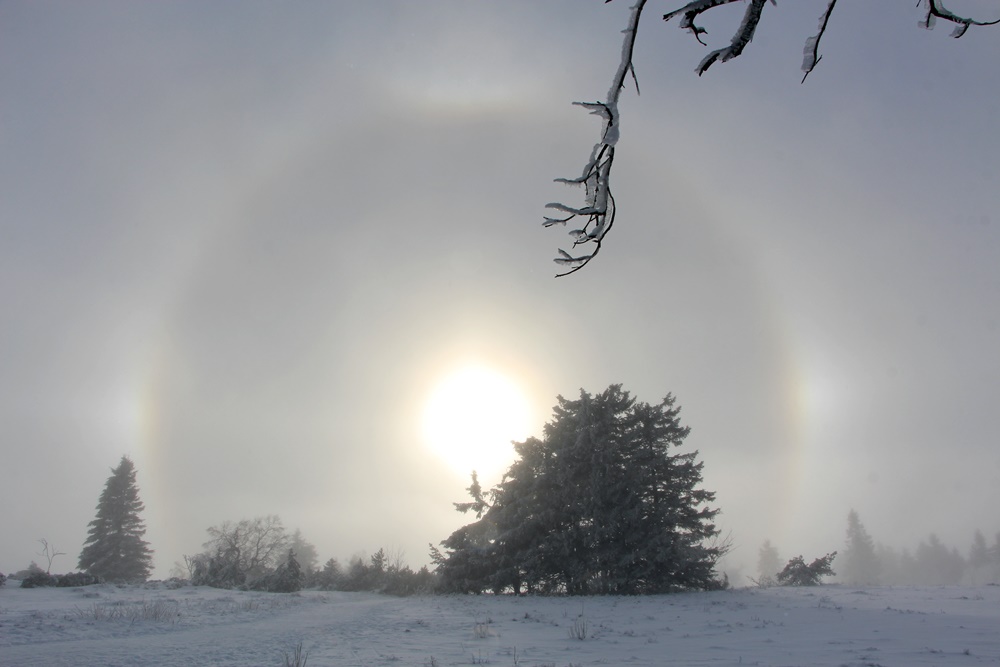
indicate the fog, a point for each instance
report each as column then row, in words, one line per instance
column 243, row 245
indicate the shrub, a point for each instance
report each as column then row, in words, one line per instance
column 286, row 578
column 3, row 579
column 38, row 580
column 71, row 580
column 797, row 573
column 218, row 571
column 21, row 575
column 74, row 579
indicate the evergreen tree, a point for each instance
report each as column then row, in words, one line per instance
column 797, row 573
column 329, row 578
column 305, row 553
column 115, row 550
column 861, row 563
column 288, row 577
column 979, row 553
column 979, row 569
column 936, row 564
column 599, row 505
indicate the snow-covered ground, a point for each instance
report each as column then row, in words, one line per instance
column 828, row 625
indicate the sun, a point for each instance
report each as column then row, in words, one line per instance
column 470, row 419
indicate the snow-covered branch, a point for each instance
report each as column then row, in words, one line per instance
column 598, row 210
column 811, row 52
column 936, row 10
column 691, row 12
column 744, row 35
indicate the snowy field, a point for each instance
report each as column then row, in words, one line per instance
column 828, row 625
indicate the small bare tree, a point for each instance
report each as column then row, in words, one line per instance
column 49, row 552
column 598, row 210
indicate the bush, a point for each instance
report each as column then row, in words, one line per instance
column 71, row 580
column 797, row 573
column 74, row 579
column 404, row 581
column 21, row 575
column 38, row 580
column 286, row 578
column 219, row 571
column 379, row 574
column 3, row 579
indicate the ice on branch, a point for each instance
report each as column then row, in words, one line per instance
column 936, row 10
column 740, row 40
column 690, row 12
column 598, row 209
column 811, row 55
column 599, row 205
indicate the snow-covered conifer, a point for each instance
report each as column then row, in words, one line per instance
column 599, row 505
column 114, row 549
column 860, row 562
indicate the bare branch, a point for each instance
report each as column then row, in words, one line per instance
column 811, row 51
column 936, row 10
column 599, row 207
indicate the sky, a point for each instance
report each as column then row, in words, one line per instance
column 246, row 244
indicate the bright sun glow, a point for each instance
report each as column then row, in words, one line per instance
column 471, row 418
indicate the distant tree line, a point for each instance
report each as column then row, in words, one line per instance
column 381, row 573
column 602, row 503
column 931, row 562
column 865, row 562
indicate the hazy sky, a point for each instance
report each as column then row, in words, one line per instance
column 244, row 242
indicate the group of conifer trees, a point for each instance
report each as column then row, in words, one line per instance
column 601, row 504
column 865, row 562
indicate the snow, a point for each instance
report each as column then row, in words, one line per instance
column 828, row 625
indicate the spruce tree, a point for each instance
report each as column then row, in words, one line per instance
column 288, row 577
column 115, row 550
column 861, row 563
column 978, row 561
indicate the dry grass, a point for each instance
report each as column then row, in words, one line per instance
column 483, row 629
column 297, row 658
column 158, row 611
column 580, row 628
